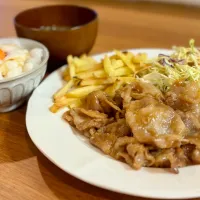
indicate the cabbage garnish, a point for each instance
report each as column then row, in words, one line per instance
column 183, row 64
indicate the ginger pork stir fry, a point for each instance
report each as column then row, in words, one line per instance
column 143, row 127
column 139, row 110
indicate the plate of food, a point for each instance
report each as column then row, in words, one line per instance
column 127, row 121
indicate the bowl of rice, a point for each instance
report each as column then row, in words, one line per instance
column 23, row 63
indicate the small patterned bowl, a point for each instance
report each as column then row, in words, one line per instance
column 15, row 91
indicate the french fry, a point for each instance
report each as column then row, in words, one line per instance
column 64, row 90
column 108, row 90
column 112, row 89
column 87, row 58
column 83, row 56
column 141, row 57
column 71, row 66
column 69, row 59
column 99, row 74
column 66, row 75
column 79, row 62
column 87, row 67
column 72, row 70
column 67, row 78
column 117, row 85
column 83, row 91
column 54, row 108
column 123, row 71
column 117, row 63
column 75, row 104
column 64, row 101
column 108, row 66
column 90, row 74
column 91, row 60
column 85, row 75
column 94, row 81
column 84, row 60
column 116, row 57
column 129, row 55
column 127, row 62
column 66, row 72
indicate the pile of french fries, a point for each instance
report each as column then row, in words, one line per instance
column 84, row 75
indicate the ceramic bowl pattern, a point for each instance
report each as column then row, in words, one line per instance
column 15, row 91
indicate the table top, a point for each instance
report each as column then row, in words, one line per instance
column 25, row 173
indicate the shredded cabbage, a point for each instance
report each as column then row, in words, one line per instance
column 182, row 65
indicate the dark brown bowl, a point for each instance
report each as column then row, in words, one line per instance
column 77, row 37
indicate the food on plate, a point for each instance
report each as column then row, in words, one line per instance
column 146, row 114
column 84, row 75
column 138, row 128
column 15, row 60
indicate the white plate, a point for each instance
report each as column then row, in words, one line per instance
column 72, row 152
